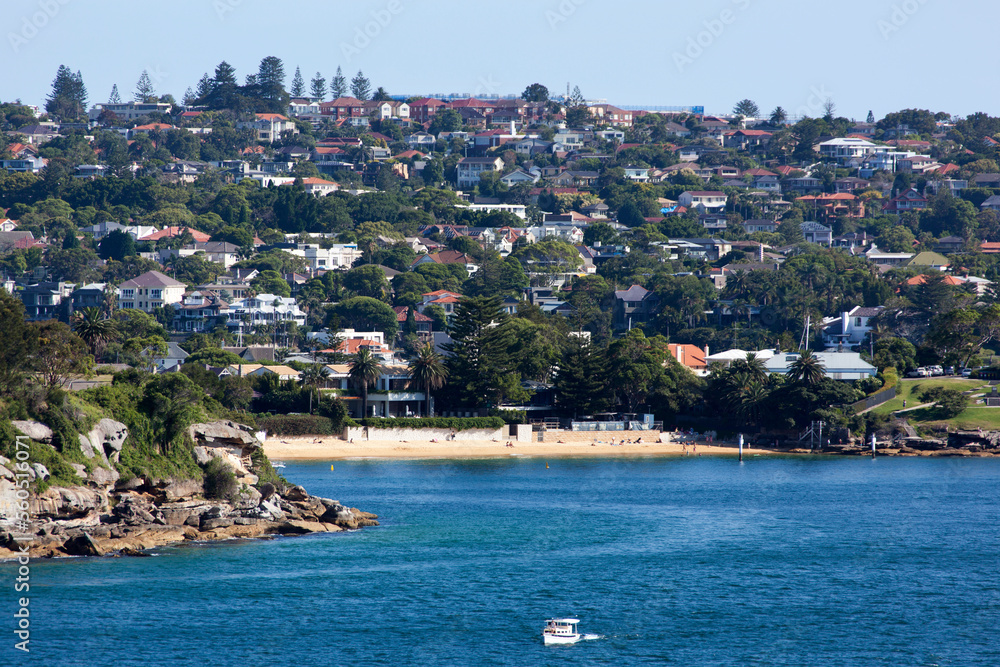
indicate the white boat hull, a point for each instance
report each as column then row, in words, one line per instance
column 561, row 639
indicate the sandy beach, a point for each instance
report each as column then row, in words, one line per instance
column 330, row 448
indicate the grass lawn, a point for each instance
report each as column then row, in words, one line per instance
column 907, row 388
column 975, row 417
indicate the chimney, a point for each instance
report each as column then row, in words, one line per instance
column 706, row 353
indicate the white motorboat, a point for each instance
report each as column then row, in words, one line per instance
column 561, row 631
column 277, row 465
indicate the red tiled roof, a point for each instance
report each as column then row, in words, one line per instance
column 417, row 316
column 170, row 232
column 691, row 356
column 270, row 116
column 921, row 279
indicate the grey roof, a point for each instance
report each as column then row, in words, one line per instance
column 152, row 279
column 633, row 293
column 174, row 351
column 751, row 266
column 833, row 362
column 814, row 227
column 478, row 160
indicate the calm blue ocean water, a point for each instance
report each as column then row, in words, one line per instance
column 694, row 561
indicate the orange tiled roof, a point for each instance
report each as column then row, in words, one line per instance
column 170, row 232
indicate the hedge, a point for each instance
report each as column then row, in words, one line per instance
column 457, row 423
column 296, row 425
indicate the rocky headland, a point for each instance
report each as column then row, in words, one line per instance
column 105, row 514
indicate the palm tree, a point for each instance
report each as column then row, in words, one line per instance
column 753, row 366
column 313, row 376
column 365, row 370
column 109, row 300
column 94, row 328
column 427, row 370
column 807, row 369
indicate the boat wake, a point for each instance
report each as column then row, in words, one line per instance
column 589, row 637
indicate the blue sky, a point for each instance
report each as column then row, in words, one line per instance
column 883, row 55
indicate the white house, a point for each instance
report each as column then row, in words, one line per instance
column 635, row 173
column 337, row 256
column 269, row 126
column 150, row 290
column 815, row 232
column 883, row 258
column 520, row 210
column 219, row 252
column 470, row 169
column 706, row 200
column 102, row 229
column 850, row 328
column 846, row 366
column 847, row 150
column 128, row 111
column 265, row 309
column 28, row 163
column 519, row 176
column 319, row 187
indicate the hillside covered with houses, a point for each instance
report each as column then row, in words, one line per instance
column 337, row 249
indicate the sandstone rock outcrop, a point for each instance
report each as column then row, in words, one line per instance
column 107, row 515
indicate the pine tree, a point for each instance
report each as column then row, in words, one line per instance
column 481, row 367
column 225, row 75
column 114, row 97
column 318, row 86
column 871, row 117
column 79, row 92
column 68, row 99
column 298, row 84
column 271, row 83
column 338, row 84
column 144, row 90
column 204, row 86
column 580, row 383
column 360, row 86
column 189, row 97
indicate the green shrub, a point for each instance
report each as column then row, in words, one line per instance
column 220, row 480
column 265, row 471
column 950, row 402
column 297, row 425
column 457, row 423
column 510, row 416
column 335, row 410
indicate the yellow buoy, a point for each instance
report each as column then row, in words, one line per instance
column 331, row 467
column 546, row 465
